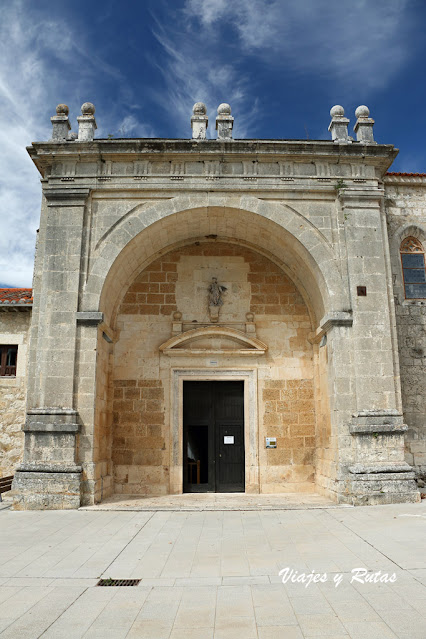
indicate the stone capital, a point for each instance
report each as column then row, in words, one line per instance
column 370, row 422
column 66, row 197
column 360, row 198
column 51, row 420
column 89, row 317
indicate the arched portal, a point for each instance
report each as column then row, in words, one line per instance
column 277, row 230
column 158, row 287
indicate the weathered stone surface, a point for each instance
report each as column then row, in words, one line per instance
column 46, row 491
column 406, row 216
column 14, row 329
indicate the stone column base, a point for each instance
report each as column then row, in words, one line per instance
column 380, row 475
column 49, row 478
column 380, row 486
column 46, row 489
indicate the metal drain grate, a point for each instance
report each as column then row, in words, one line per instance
column 118, row 582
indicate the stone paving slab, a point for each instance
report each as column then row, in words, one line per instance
column 217, row 501
column 213, row 573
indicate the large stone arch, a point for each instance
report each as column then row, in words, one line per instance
column 150, row 230
column 154, row 356
column 273, row 228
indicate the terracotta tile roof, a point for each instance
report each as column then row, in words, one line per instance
column 407, row 174
column 16, row 296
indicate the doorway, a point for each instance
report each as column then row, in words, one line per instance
column 213, row 436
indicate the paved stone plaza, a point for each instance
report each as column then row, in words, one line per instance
column 213, row 574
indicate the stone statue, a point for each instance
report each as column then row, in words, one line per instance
column 215, row 293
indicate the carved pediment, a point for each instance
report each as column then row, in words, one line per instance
column 213, row 340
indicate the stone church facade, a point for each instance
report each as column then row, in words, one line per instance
column 221, row 315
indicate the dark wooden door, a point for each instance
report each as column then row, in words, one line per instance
column 213, row 437
column 229, row 432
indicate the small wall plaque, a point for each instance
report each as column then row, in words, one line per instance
column 228, row 439
column 271, row 442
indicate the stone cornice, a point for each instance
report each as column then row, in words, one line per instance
column 44, row 154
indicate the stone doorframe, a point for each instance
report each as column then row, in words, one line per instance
column 251, row 430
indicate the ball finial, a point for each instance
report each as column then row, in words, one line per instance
column 224, row 109
column 362, row 111
column 199, row 108
column 337, row 111
column 88, row 108
column 62, row 109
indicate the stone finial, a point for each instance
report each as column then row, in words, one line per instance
column 364, row 125
column 199, row 121
column 339, row 125
column 60, row 123
column 86, row 123
column 224, row 122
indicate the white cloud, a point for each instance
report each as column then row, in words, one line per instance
column 350, row 41
column 43, row 61
column 194, row 73
column 216, row 50
column 131, row 127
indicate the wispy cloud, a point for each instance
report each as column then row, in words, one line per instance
column 357, row 41
column 194, row 72
column 217, row 51
column 130, row 126
column 42, row 62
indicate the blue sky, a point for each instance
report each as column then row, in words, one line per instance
column 281, row 64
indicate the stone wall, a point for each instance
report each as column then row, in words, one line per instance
column 411, row 325
column 326, row 442
column 14, row 328
column 139, row 449
column 289, row 415
column 406, row 216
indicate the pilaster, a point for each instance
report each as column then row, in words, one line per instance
column 49, row 476
column 378, row 473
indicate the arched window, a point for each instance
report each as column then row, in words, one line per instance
column 413, row 268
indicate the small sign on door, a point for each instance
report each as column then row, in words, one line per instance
column 228, row 439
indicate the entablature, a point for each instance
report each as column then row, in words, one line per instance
column 214, row 161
